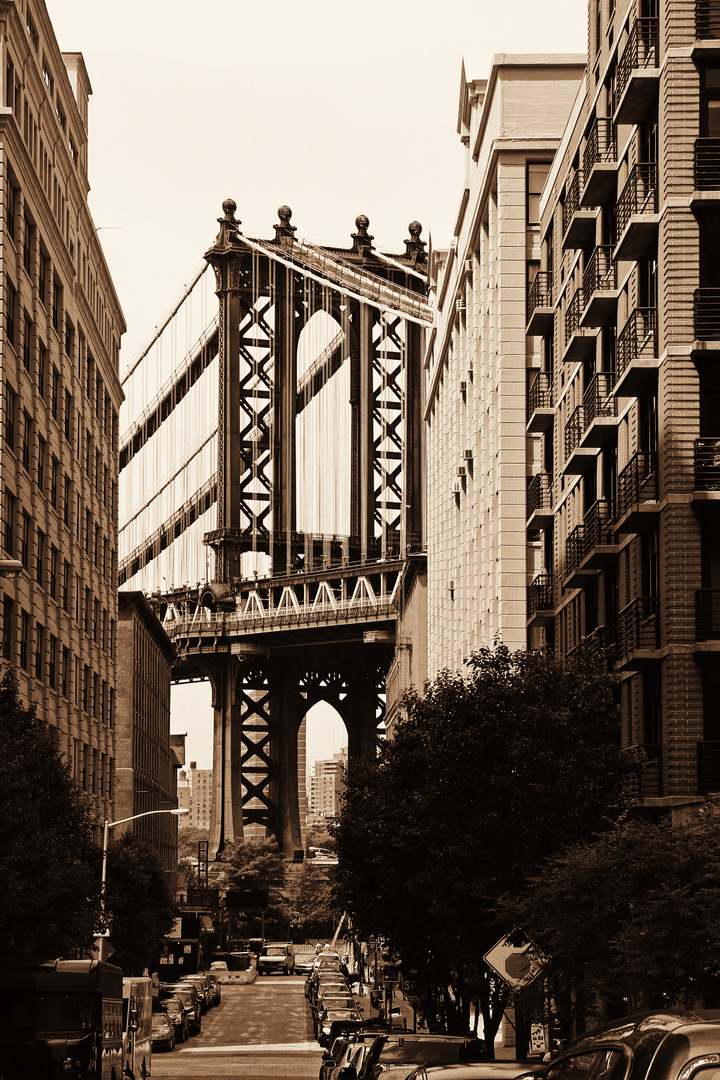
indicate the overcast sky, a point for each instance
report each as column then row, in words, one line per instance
column 332, row 107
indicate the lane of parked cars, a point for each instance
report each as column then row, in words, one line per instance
column 180, row 1006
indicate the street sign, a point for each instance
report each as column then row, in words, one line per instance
column 510, row 958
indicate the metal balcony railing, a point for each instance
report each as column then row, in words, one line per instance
column 708, row 765
column 600, row 272
column 601, row 145
column 598, row 400
column 707, row 464
column 641, row 51
column 574, row 431
column 638, row 481
column 572, row 314
column 540, row 395
column 598, row 532
column 572, row 199
column 574, row 548
column 706, row 164
column 639, row 196
column 706, row 314
column 645, row 780
column 707, row 19
column 598, row 641
column 638, row 339
column 540, row 594
column 540, row 293
column 539, row 493
column 638, row 626
column 707, row 614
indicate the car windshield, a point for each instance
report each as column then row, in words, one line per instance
column 274, row 951
column 424, row 1050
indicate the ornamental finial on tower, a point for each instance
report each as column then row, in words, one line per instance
column 284, row 232
column 362, row 241
column 229, row 225
column 415, row 247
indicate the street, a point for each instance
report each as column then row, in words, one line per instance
column 260, row 1030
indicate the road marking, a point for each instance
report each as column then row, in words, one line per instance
column 253, row 1048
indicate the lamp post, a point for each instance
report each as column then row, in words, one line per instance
column 106, row 832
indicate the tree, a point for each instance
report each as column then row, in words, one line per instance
column 489, row 773
column 256, row 865
column 48, row 863
column 632, row 918
column 189, row 837
column 139, row 904
column 308, row 902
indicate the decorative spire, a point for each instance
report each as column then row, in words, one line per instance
column 284, row 231
column 362, row 241
column 415, row 247
column 229, row 226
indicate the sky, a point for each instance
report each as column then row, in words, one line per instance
column 331, row 107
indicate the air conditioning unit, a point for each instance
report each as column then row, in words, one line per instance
column 460, row 304
column 461, row 470
column 468, row 266
column 451, row 585
column 468, row 455
column 463, row 386
column 457, row 486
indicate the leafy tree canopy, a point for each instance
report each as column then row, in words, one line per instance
column 48, row 866
column 490, row 772
column 254, row 864
column 308, row 901
column 189, row 836
column 633, row 917
column 139, row 904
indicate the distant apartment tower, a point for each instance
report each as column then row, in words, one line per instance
column 60, row 330
column 624, row 503
column 195, row 794
column 145, row 761
column 478, row 360
column 325, row 786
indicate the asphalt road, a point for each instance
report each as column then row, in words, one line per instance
column 262, row 1031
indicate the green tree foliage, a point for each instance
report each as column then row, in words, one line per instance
column 49, row 873
column 257, row 865
column 139, row 904
column 308, row 902
column 189, row 836
column 489, row 773
column 633, row 917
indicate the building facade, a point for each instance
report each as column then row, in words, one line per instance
column 325, row 785
column 195, row 789
column 478, row 358
column 624, row 501
column 145, row 762
column 60, row 330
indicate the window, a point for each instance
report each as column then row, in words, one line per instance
column 42, row 454
column 11, row 401
column 54, row 570
column 56, row 303
column 27, row 341
column 42, row 370
column 65, row 672
column 536, row 176
column 67, row 496
column 8, row 523
column 7, row 628
column 52, row 657
column 25, row 540
column 10, row 204
column 69, row 338
column 54, row 475
column 67, row 419
column 10, row 305
column 40, row 558
column 87, row 532
column 54, row 391
column 26, row 243
column 66, row 586
column 26, row 436
column 24, row 639
column 43, row 278
column 87, row 610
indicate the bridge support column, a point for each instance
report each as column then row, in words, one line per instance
column 226, row 825
column 287, row 709
column 361, row 713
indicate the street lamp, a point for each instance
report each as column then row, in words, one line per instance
column 106, row 831
column 10, row 567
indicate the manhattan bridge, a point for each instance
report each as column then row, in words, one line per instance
column 271, row 495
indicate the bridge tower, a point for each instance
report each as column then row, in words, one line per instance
column 292, row 614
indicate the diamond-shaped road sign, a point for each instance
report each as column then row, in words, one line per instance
column 513, row 962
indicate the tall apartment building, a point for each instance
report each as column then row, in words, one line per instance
column 195, row 794
column 60, row 330
column 145, row 761
column 325, row 785
column 625, row 501
column 478, row 358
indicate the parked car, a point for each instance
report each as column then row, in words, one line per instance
column 416, row 1049
column 304, row 963
column 200, row 980
column 189, row 997
column 482, row 1070
column 215, row 987
column 178, row 1017
column 323, row 1027
column 646, row 1046
column 163, row 1033
column 276, row 956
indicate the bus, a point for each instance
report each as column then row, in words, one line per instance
column 61, row 1019
column 137, row 1026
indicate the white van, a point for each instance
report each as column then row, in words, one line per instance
column 276, row 956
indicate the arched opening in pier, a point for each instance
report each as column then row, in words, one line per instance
column 322, row 757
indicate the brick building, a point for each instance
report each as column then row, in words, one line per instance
column 145, row 763
column 623, row 503
column 60, row 330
